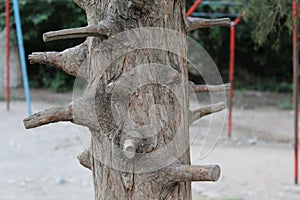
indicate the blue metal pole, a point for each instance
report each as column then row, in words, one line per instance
column 22, row 54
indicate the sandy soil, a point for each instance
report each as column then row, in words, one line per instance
column 257, row 162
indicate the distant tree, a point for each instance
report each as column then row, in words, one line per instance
column 270, row 17
column 263, row 43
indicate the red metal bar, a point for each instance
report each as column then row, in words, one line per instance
column 231, row 75
column 296, row 85
column 193, row 8
column 238, row 20
column 7, row 8
column 232, row 59
column 231, row 69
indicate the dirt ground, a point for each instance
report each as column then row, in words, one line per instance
column 257, row 162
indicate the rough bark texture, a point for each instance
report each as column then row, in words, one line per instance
column 111, row 183
column 121, row 153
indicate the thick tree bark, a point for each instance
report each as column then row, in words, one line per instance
column 110, row 183
column 122, row 155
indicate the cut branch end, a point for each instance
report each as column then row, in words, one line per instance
column 188, row 173
column 52, row 115
column 197, row 23
column 130, row 147
column 198, row 114
column 211, row 88
column 89, row 31
column 38, row 57
column 85, row 159
column 72, row 61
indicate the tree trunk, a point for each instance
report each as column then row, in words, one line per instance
column 136, row 103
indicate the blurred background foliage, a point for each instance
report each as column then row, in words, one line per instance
column 263, row 54
column 38, row 17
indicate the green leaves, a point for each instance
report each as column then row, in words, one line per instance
column 39, row 19
column 270, row 17
column 39, row 16
column 263, row 44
